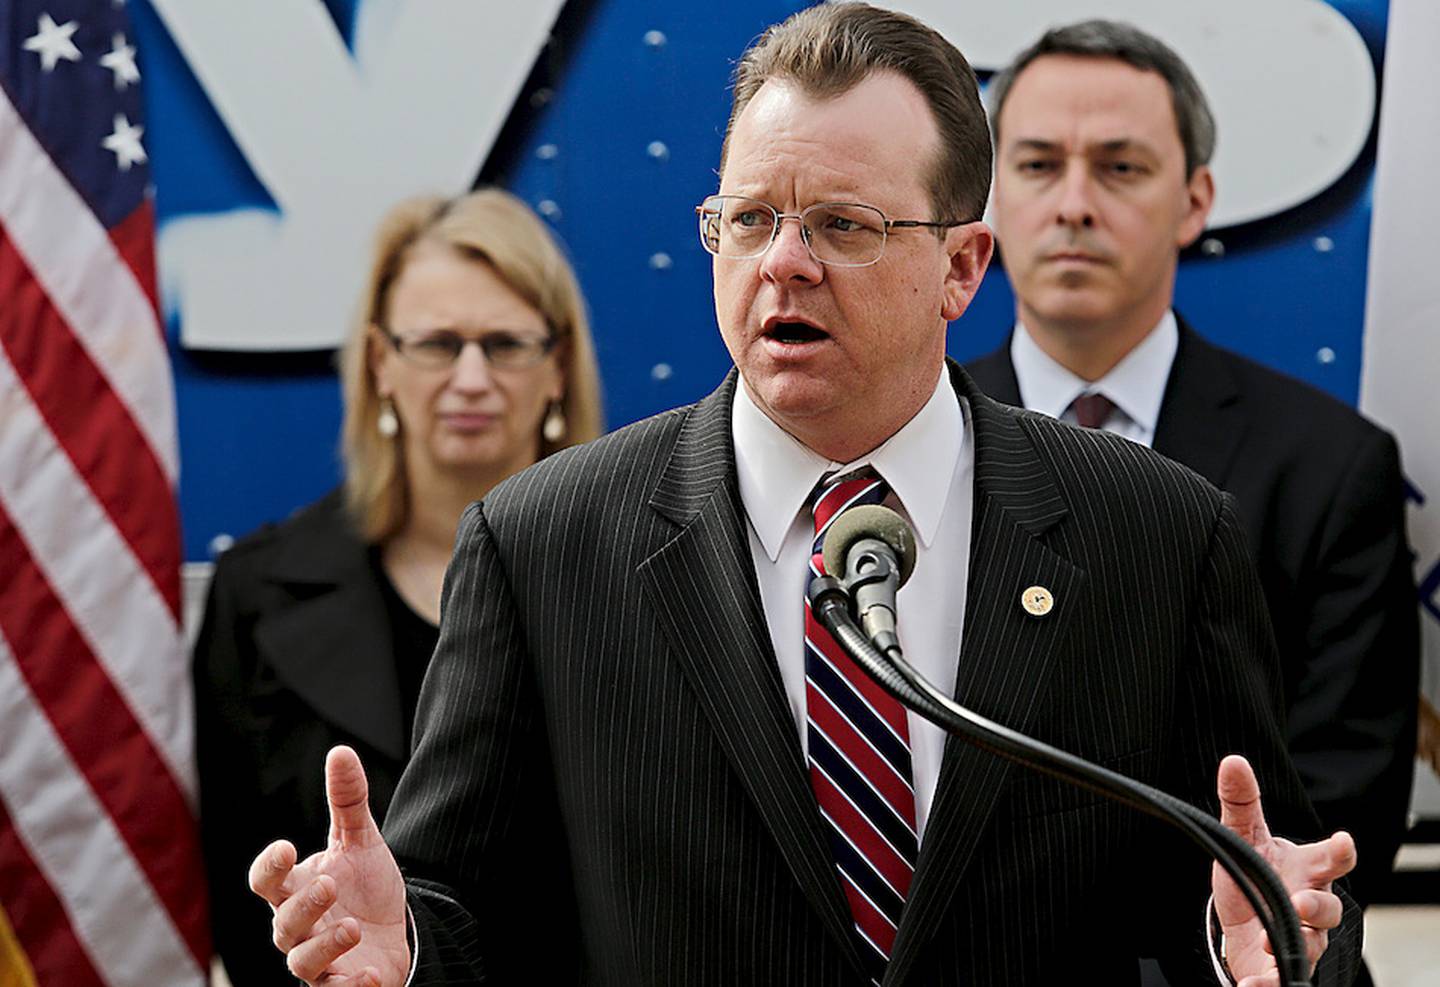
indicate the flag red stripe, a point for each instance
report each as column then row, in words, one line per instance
column 90, row 423
column 104, row 739
column 879, row 771
column 134, row 239
column 39, row 920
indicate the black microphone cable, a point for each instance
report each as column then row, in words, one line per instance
column 830, row 603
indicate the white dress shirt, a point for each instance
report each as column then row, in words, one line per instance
column 1136, row 385
column 929, row 465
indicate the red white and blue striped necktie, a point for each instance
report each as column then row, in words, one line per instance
column 858, row 741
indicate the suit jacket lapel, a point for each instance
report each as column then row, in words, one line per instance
column 702, row 584
column 1006, row 655
column 995, row 375
column 1201, row 419
column 332, row 645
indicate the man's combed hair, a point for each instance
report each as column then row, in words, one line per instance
column 1129, row 44
column 829, row 49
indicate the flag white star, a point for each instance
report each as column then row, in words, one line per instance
column 125, row 142
column 52, row 42
column 121, row 61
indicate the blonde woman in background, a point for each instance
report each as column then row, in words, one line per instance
column 469, row 360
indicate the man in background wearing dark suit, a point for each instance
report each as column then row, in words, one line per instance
column 636, row 766
column 1102, row 142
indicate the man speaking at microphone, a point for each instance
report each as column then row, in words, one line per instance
column 639, row 762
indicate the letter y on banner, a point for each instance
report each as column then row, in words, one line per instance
column 336, row 138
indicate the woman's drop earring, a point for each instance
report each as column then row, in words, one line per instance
column 554, row 428
column 386, row 422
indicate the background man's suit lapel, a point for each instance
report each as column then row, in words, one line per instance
column 995, row 375
column 1202, row 418
column 702, row 585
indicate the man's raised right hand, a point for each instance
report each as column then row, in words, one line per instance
column 339, row 916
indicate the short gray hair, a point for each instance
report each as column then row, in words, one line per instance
column 1129, row 44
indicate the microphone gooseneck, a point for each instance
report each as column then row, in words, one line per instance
column 880, row 563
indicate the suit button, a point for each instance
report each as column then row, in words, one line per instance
column 1037, row 601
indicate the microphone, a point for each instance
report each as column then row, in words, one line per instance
column 867, row 558
column 872, row 549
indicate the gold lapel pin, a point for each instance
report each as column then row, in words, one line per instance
column 1037, row 601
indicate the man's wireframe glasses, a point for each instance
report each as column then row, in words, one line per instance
column 838, row 234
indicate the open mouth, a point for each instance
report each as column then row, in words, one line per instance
column 795, row 333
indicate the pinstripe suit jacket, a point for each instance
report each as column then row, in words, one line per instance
column 607, row 785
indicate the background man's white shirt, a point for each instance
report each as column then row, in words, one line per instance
column 1136, row 384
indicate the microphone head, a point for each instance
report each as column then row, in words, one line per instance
column 870, row 521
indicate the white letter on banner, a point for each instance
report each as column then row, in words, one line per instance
column 336, row 140
column 1290, row 82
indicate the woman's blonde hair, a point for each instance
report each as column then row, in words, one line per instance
column 490, row 226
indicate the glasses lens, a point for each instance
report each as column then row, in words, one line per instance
column 845, row 234
column 512, row 350
column 734, row 226
column 431, row 349
column 710, row 225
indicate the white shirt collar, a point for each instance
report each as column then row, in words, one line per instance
column 778, row 473
column 1136, row 384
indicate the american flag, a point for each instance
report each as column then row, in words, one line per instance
column 100, row 873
